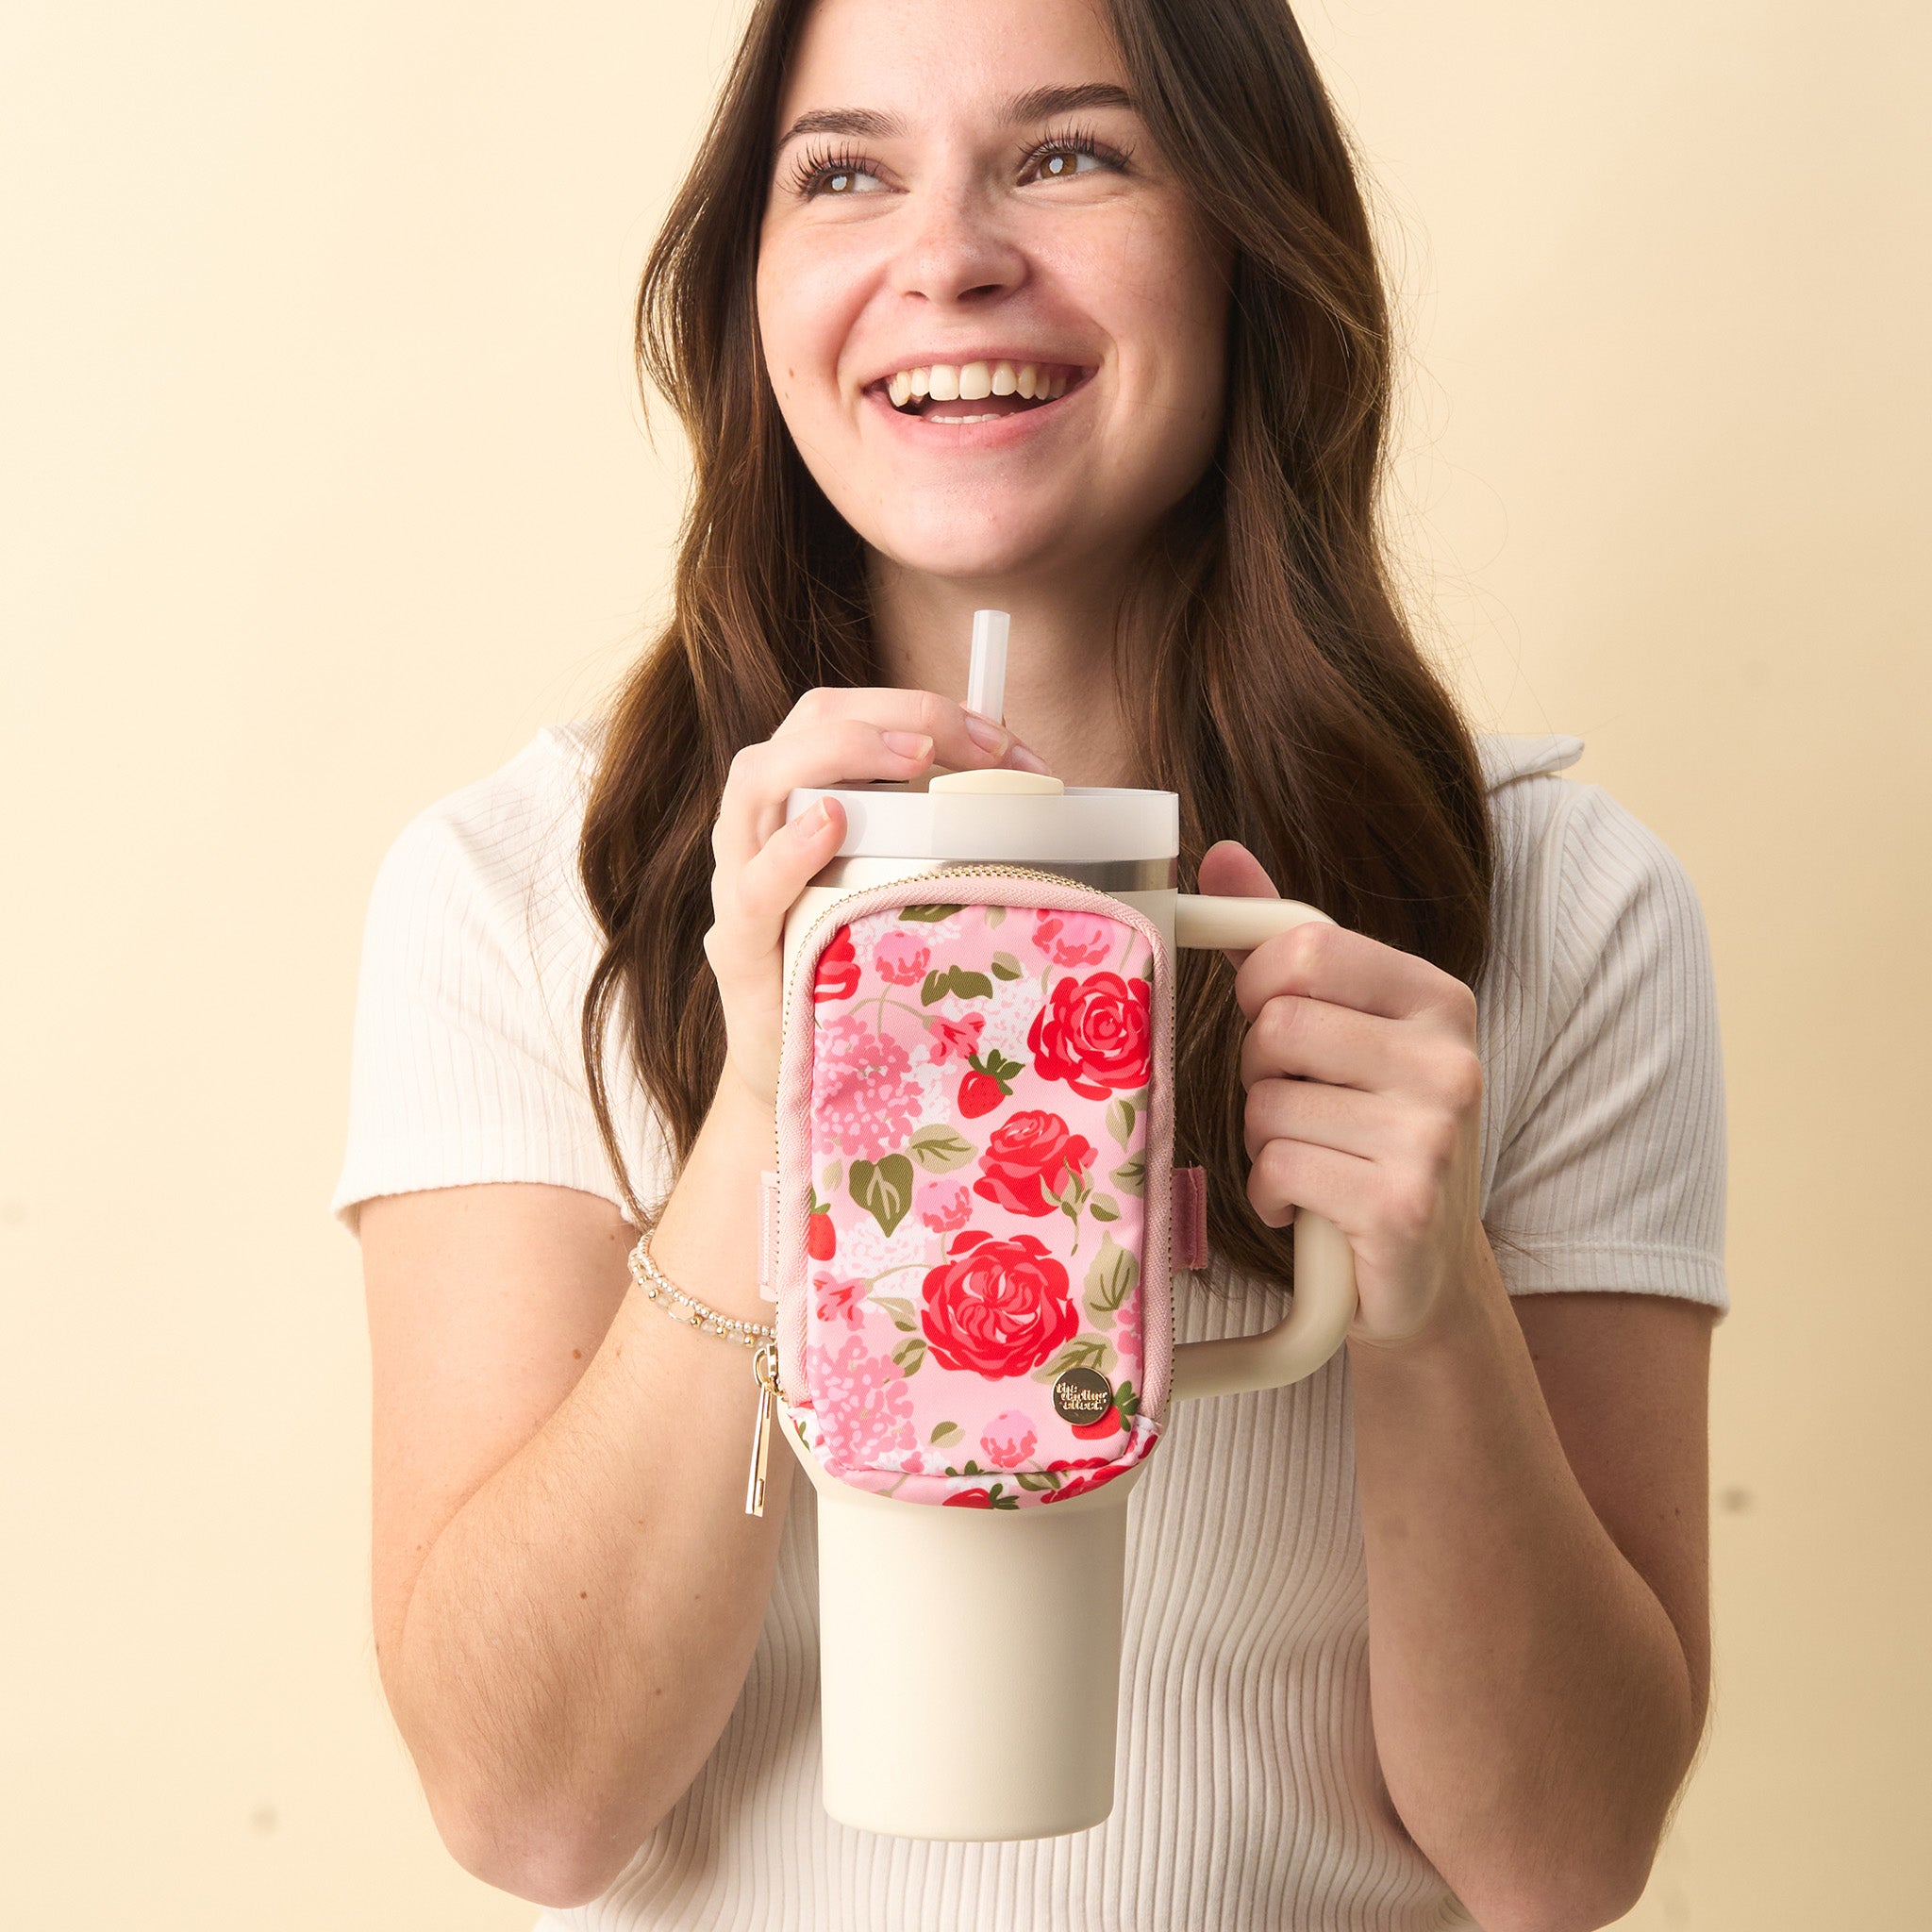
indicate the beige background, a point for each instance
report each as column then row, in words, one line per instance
column 324, row 488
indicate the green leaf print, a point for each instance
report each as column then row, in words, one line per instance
column 1120, row 1120
column 1126, row 1398
column 1006, row 967
column 926, row 915
column 996, row 914
column 943, row 1433
column 884, row 1189
column 1105, row 1207
column 904, row 1316
column 1111, row 1277
column 934, row 988
column 910, row 1353
column 969, row 986
column 834, row 1173
column 1084, row 1352
column 1131, row 1176
column 1037, row 1479
column 941, row 1148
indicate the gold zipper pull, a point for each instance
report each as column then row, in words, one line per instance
column 764, row 1368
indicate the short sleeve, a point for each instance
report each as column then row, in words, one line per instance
column 465, row 1065
column 1611, row 1173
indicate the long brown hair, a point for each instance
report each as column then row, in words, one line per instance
column 1284, row 702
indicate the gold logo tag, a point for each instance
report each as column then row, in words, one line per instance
column 1082, row 1395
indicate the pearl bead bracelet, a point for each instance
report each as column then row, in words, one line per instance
column 658, row 1287
column 759, row 1336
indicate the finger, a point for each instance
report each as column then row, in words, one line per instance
column 1369, row 1126
column 962, row 740
column 1349, row 969
column 1311, row 1040
column 1229, row 871
column 762, row 778
column 750, row 905
column 1341, row 1188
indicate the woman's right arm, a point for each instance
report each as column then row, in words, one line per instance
column 567, row 1590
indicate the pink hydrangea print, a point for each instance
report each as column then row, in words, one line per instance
column 1009, row 1440
column 901, row 957
column 1071, row 939
column 944, row 1205
column 863, row 1404
column 866, row 1098
column 950, row 1036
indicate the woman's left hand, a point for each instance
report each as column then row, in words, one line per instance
column 1364, row 1104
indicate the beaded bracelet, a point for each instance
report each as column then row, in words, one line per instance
column 706, row 1319
column 759, row 1336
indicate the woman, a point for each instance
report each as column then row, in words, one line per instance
column 1420, row 1640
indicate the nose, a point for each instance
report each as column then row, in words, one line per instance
column 954, row 248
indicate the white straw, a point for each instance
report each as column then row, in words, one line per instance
column 986, row 675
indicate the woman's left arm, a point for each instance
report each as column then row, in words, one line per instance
column 1532, row 1484
column 1532, row 1474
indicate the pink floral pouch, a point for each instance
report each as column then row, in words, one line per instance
column 974, row 1208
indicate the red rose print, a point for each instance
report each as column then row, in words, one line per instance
column 837, row 976
column 979, row 1094
column 969, row 1499
column 997, row 1307
column 1095, row 1034
column 1027, row 1159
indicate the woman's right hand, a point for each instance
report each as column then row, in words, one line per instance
column 834, row 735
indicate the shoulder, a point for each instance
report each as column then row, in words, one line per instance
column 1595, row 926
column 494, row 862
column 1573, row 862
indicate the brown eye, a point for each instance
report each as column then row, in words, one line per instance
column 1061, row 157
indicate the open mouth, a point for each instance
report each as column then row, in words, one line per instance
column 976, row 391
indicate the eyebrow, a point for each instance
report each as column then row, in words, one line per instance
column 1037, row 104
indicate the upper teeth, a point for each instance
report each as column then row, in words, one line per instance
column 947, row 381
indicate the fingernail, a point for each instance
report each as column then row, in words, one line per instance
column 809, row 823
column 986, row 734
column 1027, row 761
column 910, row 744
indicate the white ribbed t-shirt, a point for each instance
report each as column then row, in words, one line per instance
column 1249, row 1795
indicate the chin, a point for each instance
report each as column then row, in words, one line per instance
column 970, row 541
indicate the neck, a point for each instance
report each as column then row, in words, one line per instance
column 1060, row 687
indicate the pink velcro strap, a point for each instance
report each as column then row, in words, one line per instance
column 1190, row 1223
column 768, row 1237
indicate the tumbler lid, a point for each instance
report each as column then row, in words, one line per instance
column 887, row 821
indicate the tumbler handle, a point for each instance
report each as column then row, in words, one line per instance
column 1324, row 1298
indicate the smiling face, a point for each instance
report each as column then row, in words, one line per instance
column 993, row 323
